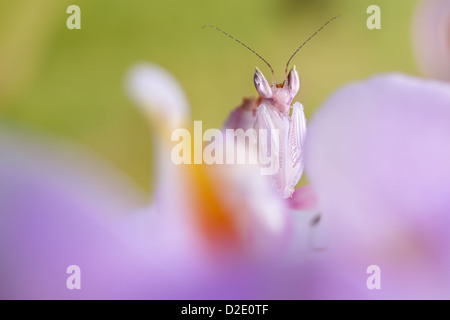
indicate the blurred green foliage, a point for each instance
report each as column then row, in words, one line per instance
column 70, row 82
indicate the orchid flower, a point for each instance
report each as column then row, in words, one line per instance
column 378, row 156
column 211, row 231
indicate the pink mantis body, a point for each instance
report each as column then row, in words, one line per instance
column 274, row 113
column 284, row 123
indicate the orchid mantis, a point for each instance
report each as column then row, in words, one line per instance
column 284, row 123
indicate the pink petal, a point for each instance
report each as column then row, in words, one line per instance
column 378, row 155
column 304, row 198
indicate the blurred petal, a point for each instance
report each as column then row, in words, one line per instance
column 158, row 93
column 378, row 156
column 304, row 198
column 58, row 207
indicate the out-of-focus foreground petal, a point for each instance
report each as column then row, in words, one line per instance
column 304, row 198
column 159, row 95
column 378, row 155
column 431, row 38
column 58, row 204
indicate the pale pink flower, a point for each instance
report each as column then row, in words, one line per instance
column 378, row 155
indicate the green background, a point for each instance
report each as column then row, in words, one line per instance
column 70, row 83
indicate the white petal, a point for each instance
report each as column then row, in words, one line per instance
column 158, row 93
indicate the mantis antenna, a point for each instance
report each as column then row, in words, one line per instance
column 229, row 35
column 312, row 36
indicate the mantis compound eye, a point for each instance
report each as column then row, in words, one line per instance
column 261, row 85
column 293, row 82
